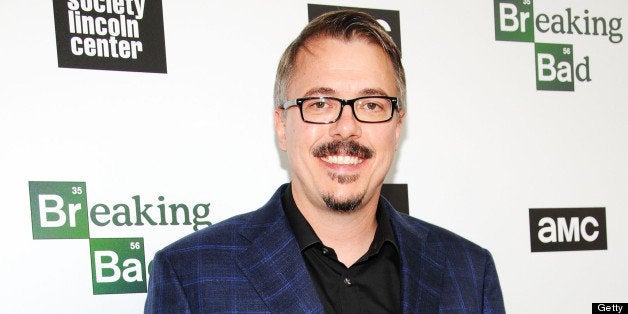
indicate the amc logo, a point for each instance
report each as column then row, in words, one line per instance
column 567, row 229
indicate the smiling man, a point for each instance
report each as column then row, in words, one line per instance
column 327, row 241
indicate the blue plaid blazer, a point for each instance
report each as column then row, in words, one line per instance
column 252, row 263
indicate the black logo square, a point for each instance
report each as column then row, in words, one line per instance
column 389, row 19
column 110, row 35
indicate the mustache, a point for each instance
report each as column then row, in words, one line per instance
column 337, row 147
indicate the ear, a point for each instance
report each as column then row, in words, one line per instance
column 280, row 128
column 402, row 115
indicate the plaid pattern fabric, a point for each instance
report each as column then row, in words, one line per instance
column 251, row 263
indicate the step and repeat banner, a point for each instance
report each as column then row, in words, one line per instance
column 127, row 124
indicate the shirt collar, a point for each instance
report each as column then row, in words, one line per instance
column 302, row 230
column 306, row 237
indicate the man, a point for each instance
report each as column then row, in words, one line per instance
column 327, row 242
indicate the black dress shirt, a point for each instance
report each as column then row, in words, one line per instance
column 371, row 285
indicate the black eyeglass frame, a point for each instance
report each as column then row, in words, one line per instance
column 343, row 102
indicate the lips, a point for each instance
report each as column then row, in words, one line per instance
column 342, row 152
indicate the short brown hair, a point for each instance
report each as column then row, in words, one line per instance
column 343, row 24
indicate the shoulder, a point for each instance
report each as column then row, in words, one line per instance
column 231, row 234
column 433, row 238
column 224, row 233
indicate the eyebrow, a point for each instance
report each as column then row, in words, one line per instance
column 373, row 92
column 320, row 91
column 330, row 91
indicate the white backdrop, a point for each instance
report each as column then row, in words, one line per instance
column 481, row 145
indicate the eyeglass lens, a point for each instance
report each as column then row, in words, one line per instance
column 327, row 110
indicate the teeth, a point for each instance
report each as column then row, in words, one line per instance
column 342, row 160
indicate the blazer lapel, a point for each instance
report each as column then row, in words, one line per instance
column 422, row 265
column 273, row 263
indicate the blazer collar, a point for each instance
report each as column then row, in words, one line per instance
column 275, row 268
column 272, row 261
column 422, row 264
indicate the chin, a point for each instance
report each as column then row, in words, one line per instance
column 343, row 204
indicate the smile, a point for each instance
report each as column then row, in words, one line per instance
column 342, row 160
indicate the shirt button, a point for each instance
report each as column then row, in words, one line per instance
column 325, row 251
column 347, row 281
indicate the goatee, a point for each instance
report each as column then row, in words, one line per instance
column 343, row 206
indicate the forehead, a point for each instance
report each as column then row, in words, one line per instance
column 341, row 66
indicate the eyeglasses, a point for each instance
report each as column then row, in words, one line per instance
column 325, row 110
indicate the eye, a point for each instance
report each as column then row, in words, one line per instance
column 318, row 105
column 373, row 105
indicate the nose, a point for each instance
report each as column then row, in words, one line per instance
column 347, row 126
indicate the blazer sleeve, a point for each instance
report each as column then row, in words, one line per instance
column 493, row 299
column 165, row 293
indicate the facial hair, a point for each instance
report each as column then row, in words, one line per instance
column 343, row 206
column 348, row 148
column 337, row 147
